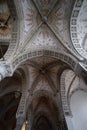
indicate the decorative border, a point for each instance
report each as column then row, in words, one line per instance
column 65, row 103
column 71, row 61
column 73, row 28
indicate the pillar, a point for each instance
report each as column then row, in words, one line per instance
column 19, row 123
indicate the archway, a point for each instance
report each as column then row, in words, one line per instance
column 10, row 95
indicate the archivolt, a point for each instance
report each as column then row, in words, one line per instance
column 64, row 57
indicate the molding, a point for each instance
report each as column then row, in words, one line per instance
column 73, row 28
column 65, row 103
column 64, row 57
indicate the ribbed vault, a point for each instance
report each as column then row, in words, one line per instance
column 41, row 70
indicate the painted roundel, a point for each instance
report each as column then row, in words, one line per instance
column 79, row 27
column 29, row 16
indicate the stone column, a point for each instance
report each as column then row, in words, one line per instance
column 19, row 123
column 5, row 70
column 21, row 112
column 29, row 120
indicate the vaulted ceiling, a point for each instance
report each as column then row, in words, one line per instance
column 59, row 25
column 40, row 39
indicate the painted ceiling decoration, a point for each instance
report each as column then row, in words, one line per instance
column 45, row 59
column 45, row 23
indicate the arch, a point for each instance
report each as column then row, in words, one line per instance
column 44, row 103
column 74, row 28
column 45, row 119
column 39, row 94
column 24, row 74
column 8, row 107
column 11, row 84
column 68, row 59
column 69, row 82
column 23, row 70
column 18, row 84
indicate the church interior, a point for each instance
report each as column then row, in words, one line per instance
column 43, row 64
